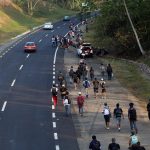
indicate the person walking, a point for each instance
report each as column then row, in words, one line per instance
column 103, row 91
column 107, row 114
column 102, row 70
column 132, row 116
column 114, row 145
column 118, row 114
column 63, row 91
column 71, row 72
column 80, row 102
column 67, row 103
column 133, row 140
column 109, row 71
column 95, row 87
column 75, row 80
column 60, row 78
column 95, row 144
column 91, row 73
column 86, row 85
column 137, row 147
column 53, row 41
column 54, row 91
column 148, row 109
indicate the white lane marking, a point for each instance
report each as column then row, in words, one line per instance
column 53, row 115
column 64, row 23
column 53, row 77
column 54, row 65
column 13, row 82
column 4, row 106
column 55, row 136
column 53, row 82
column 40, row 40
column 46, row 35
column 55, row 55
column 53, row 107
column 28, row 55
column 58, row 27
column 53, row 73
column 1, row 56
column 52, row 31
column 57, row 147
column 54, row 124
column 20, row 67
column 53, row 69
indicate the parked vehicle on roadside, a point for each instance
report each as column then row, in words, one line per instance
column 85, row 50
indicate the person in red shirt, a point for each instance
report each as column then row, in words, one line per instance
column 80, row 102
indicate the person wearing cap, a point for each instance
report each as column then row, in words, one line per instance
column 132, row 116
column 54, row 91
column 103, row 91
column 113, row 145
column 80, row 103
column 148, row 109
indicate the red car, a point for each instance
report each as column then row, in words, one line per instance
column 30, row 47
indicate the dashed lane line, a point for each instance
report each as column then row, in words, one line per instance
column 4, row 106
column 40, row 40
column 55, row 136
column 57, row 147
column 53, row 107
column 53, row 77
column 58, row 27
column 53, row 73
column 28, row 55
column 52, row 31
column 13, row 82
column 53, row 115
column 21, row 67
column 46, row 35
column 53, row 82
column 54, row 124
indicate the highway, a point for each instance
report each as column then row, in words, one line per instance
column 28, row 120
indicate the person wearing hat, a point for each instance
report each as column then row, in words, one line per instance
column 148, row 109
column 103, row 91
column 80, row 103
column 132, row 116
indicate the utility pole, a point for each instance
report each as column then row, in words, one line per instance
column 135, row 33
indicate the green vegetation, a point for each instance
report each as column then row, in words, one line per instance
column 130, row 77
column 14, row 21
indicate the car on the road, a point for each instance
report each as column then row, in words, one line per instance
column 66, row 18
column 85, row 50
column 48, row 26
column 30, row 47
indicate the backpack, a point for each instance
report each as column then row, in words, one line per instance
column 86, row 84
column 54, row 92
column 118, row 112
column 132, row 114
column 134, row 139
column 96, row 145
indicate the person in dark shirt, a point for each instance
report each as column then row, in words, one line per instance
column 114, row 145
column 148, row 109
column 95, row 144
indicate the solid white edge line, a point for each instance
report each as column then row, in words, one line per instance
column 20, row 67
column 53, row 115
column 55, row 136
column 57, row 147
column 13, row 82
column 54, row 124
column 4, row 106
column 55, row 56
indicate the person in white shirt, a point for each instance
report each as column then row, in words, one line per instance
column 107, row 115
column 67, row 105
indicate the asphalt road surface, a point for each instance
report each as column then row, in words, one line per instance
column 28, row 120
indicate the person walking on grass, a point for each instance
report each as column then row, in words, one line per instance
column 54, row 91
column 132, row 116
column 95, row 87
column 118, row 114
column 95, row 144
column 114, row 145
column 107, row 115
column 86, row 85
column 80, row 103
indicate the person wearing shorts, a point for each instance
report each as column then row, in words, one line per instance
column 118, row 114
